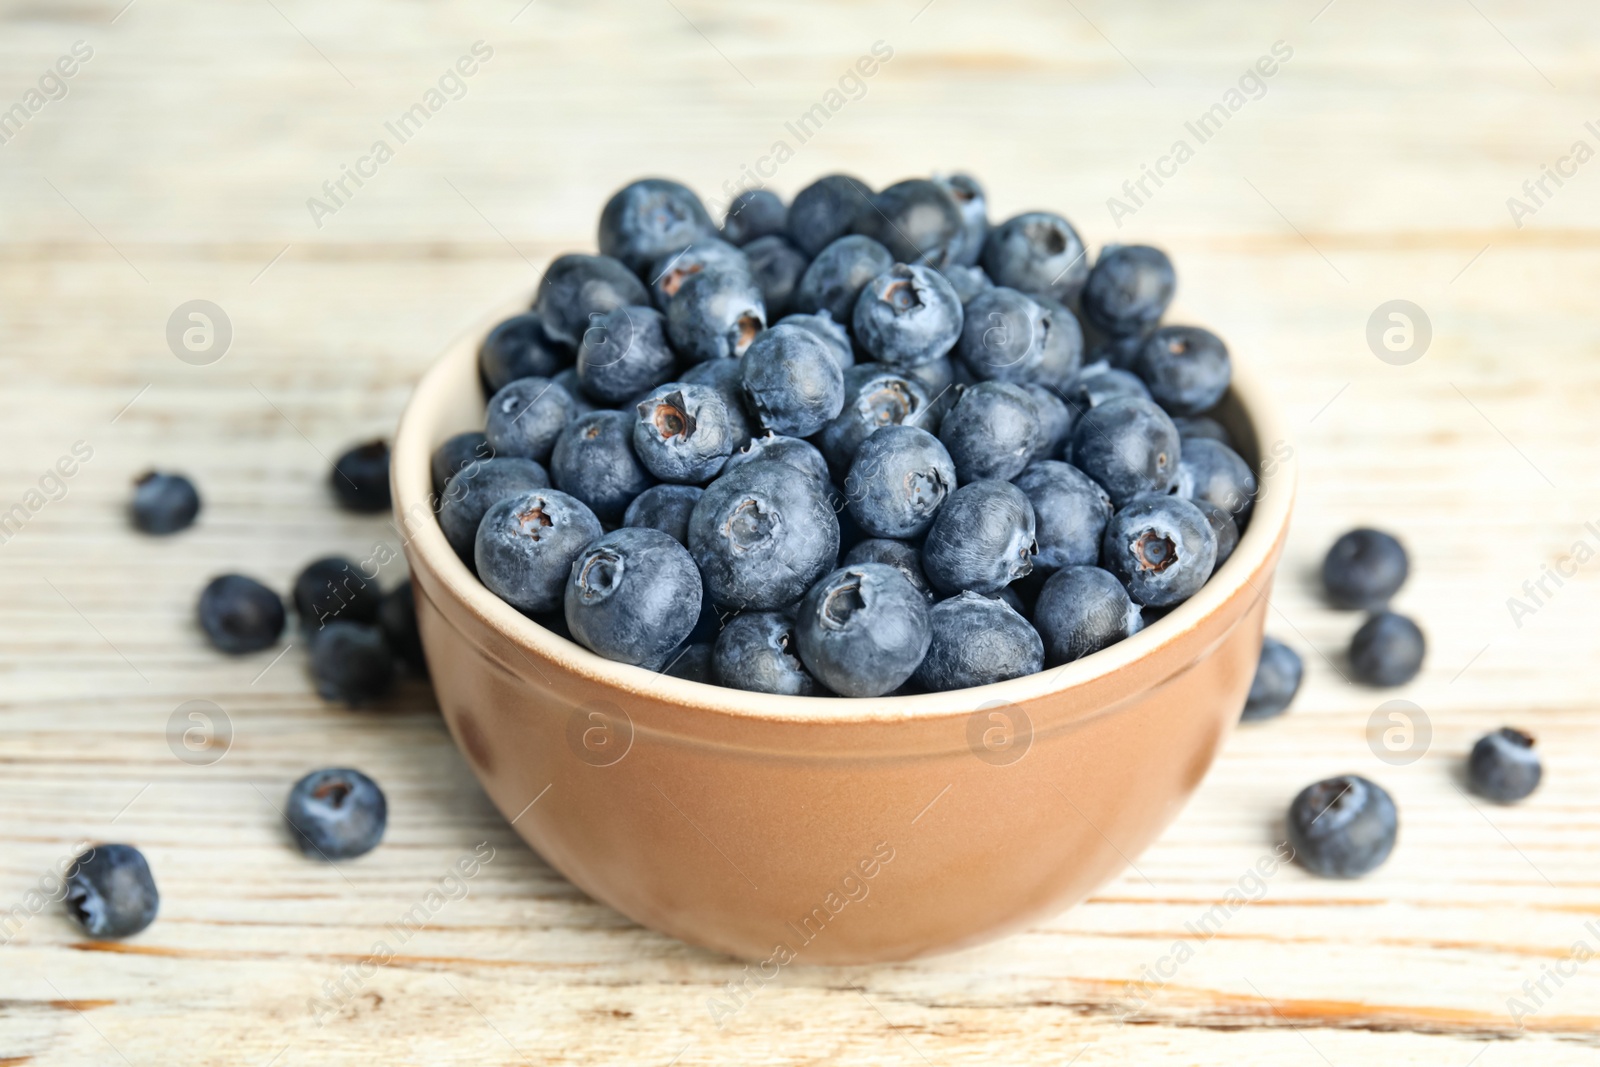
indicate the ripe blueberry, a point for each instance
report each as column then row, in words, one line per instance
column 1277, row 680
column 239, row 614
column 1186, row 368
column 519, row 347
column 1387, row 650
column 761, row 536
column 351, row 662
column 757, row 652
column 907, row 316
column 1010, row 336
column 650, row 218
column 475, row 488
column 668, row 273
column 836, row 336
column 683, row 433
column 862, row 630
column 916, row 220
column 836, row 277
column 992, row 431
column 594, row 461
column 1504, row 766
column 981, row 539
column 1128, row 289
column 1056, row 420
column 724, row 376
column 970, row 201
column 576, row 287
column 776, row 267
column 1342, row 827
column 715, row 314
column 1213, row 472
column 336, row 813
column 799, row 454
column 110, row 892
column 624, row 354
column 1070, row 513
column 1364, row 569
column 1129, row 446
column 823, row 211
column 898, row 480
column 875, row 396
column 665, row 508
column 1037, row 253
column 164, row 503
column 753, row 214
column 975, row 640
column 792, row 382
column 901, row 555
column 633, row 596
column 457, row 452
column 525, row 418
column 334, row 588
column 526, row 544
column 360, row 477
column 1081, row 610
column 1161, row 548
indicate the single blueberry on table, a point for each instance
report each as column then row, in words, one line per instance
column 594, row 461
column 1038, row 253
column 1186, row 368
column 715, row 314
column 975, row 640
column 665, row 508
column 970, row 201
column 526, row 544
column 1129, row 446
column 834, row 280
column 1203, row 426
column 992, row 431
column 762, row 535
column 862, row 630
column 624, row 354
column 577, row 287
column 982, row 539
column 875, row 396
column 650, row 218
column 633, row 596
column 1009, row 336
column 472, row 490
column 1215, row 473
column 1223, row 527
column 667, row 274
column 692, row 663
column 823, row 211
column 1364, row 569
column 917, row 220
column 1387, row 650
column 683, row 433
column 519, row 347
column 525, row 418
column 1342, row 827
column 903, row 556
column 336, row 814
column 1081, row 610
column 724, row 376
column 792, row 382
column 898, row 480
column 1128, row 289
column 800, row 454
column 360, row 477
column 351, row 662
column 1056, row 420
column 968, row 282
column 833, row 333
column 776, row 266
column 757, row 652
column 110, row 891
column 907, row 316
column 163, row 503
column 458, row 452
column 1098, row 382
column 239, row 614
column 335, row 588
column 753, row 214
column 1161, row 548
column 1277, row 680
column 397, row 617
column 1504, row 766
column 1070, row 513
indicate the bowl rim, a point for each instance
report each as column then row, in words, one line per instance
column 420, row 431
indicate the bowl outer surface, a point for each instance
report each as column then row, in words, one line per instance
column 832, row 830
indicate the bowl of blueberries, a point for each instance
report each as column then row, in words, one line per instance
column 854, row 580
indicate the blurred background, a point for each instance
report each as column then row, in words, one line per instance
column 1440, row 155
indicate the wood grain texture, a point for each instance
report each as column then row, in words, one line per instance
column 1376, row 166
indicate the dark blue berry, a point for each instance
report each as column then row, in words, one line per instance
column 526, row 544
column 1129, row 446
column 1081, row 610
column 594, row 461
column 836, row 277
column 754, row 214
column 665, row 508
column 476, row 488
column 907, row 316
column 970, row 201
column 633, row 596
column 240, row 615
column 1215, row 473
column 351, row 662
column 975, row 640
column 833, row 333
column 792, row 382
column 624, row 354
column 1186, row 368
column 901, row 555
column 1119, row 352
column 1129, row 289
column 715, row 315
column 776, row 266
column 724, row 376
column 1203, row 426
column 1364, row 569
column 336, row 814
column 457, row 453
column 823, row 211
column 1070, row 513
column 519, row 347
column 968, row 282
column 1225, row 529
column 683, row 433
column 667, row 274
column 651, row 218
column 1504, row 766
column 1009, row 336
column 576, row 287
column 992, row 431
column 761, row 536
column 1387, row 650
column 757, row 652
column 1099, row 382
column 692, row 663
column 1161, row 548
column 1037, row 253
column 916, row 220
column 863, row 629
column 525, row 418
column 360, row 477
column 164, row 503
column 582, row 404
column 981, row 539
column 875, row 396
column 898, row 480
column 1342, row 827
column 335, row 588
column 1277, row 680
column 801, row 455
column 397, row 616
column 1056, row 420
column 110, row 892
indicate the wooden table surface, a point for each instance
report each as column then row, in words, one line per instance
column 1375, row 164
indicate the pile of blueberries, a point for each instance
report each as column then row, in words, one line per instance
column 862, row 444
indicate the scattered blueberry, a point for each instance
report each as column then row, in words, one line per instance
column 898, row 480
column 110, row 892
column 519, row 347
column 834, row 280
column 776, row 267
column 595, row 462
column 916, row 220
column 334, row 588
column 992, row 431
column 360, row 477
column 1186, row 368
column 981, row 539
column 526, row 544
column 907, row 316
column 633, row 596
column 901, row 555
column 757, row 652
column 1387, row 650
column 970, row 201
column 1504, row 766
column 240, row 615
column 863, row 629
column 650, row 218
column 526, row 417
column 1037, row 253
column 1129, row 289
column 397, row 616
column 761, row 536
column 336, row 814
column 875, row 397
column 458, row 452
column 1081, row 610
column 624, row 354
column 754, row 214
column 1129, row 446
column 823, row 211
column 1342, row 827
column 665, row 508
column 351, row 662
column 1364, row 569
column 1213, row 472
column 715, row 314
column 975, row 640
column 1161, row 548
column 833, row 333
column 473, row 490
column 683, row 433
column 576, row 287
column 1070, row 512
column 164, row 503
column 1277, row 680
column 792, row 382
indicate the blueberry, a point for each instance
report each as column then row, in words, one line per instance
column 650, row 218
column 992, row 431
column 475, row 488
column 1186, row 368
column 801, row 455
column 665, row 508
column 863, row 629
column 968, row 282
column 823, row 211
column 970, row 201
column 1364, row 569
column 1213, row 472
column 1387, row 650
column 1119, row 352
column 110, row 892
column 576, row 287
column 1503, row 765
column 360, row 477
column 1129, row 289
column 833, row 333
column 683, row 433
column 977, row 641
column 761, row 536
column 907, row 316
column 397, row 616
column 1162, row 549
column 753, row 214
column 633, row 596
column 164, row 503
column 981, row 539
column 334, row 588
column 901, row 555
column 624, row 354
column 916, row 220
column 938, row 379
column 875, row 396
column 776, row 266
column 526, row 544
column 525, row 418
column 1342, row 827
column 1081, row 610
column 724, row 376
column 1203, row 426
column 594, row 461
column 900, row 477
column 1277, row 680
column 1056, row 420
column 581, row 403
column 458, row 452
column 667, row 274
column 351, row 662
column 1223, row 527
column 519, row 347
column 1009, row 336
column 835, row 278
column 1070, row 513
column 1037, row 253
column 1129, row 446
column 692, row 663
column 1099, row 382
column 336, row 813
column 757, row 652
column 714, row 315
column 792, row 382
column 240, row 615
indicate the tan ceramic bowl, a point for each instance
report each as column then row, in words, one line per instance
column 833, row 830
